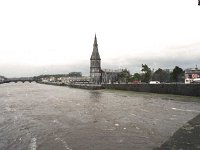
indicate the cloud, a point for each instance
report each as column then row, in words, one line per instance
column 184, row 56
column 10, row 70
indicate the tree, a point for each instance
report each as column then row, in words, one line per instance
column 124, row 76
column 177, row 74
column 146, row 76
column 161, row 75
column 75, row 74
column 136, row 77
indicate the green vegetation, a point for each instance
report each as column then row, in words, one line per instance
column 177, row 74
column 2, row 77
column 124, row 76
column 161, row 75
column 146, row 75
column 136, row 77
column 71, row 74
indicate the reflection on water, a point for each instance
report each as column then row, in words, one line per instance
column 35, row 116
column 95, row 95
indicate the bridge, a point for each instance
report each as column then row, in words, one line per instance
column 15, row 80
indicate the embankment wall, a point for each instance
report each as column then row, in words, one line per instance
column 89, row 87
column 177, row 89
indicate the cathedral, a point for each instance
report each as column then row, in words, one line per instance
column 98, row 75
column 95, row 64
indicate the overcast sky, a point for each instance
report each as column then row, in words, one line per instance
column 45, row 36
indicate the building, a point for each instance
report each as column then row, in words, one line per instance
column 95, row 64
column 192, row 75
column 110, row 76
column 98, row 75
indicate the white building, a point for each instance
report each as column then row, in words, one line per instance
column 192, row 75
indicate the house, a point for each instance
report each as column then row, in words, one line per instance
column 191, row 75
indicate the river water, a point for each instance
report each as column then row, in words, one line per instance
column 44, row 117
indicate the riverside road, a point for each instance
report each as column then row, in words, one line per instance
column 44, row 117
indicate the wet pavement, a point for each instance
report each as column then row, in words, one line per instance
column 35, row 116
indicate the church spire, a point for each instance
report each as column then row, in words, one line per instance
column 95, row 64
column 95, row 40
column 95, row 54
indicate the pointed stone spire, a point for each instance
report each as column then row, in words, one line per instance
column 95, row 40
column 95, row 54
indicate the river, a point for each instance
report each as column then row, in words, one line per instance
column 44, row 117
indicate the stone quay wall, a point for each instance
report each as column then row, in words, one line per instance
column 86, row 86
column 177, row 89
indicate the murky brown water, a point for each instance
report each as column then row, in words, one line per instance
column 35, row 116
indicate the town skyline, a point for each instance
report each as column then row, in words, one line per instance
column 53, row 38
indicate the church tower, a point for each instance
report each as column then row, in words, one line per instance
column 95, row 64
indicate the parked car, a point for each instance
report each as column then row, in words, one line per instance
column 196, row 81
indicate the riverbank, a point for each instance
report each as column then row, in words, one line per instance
column 86, row 86
column 52, row 83
column 175, row 89
column 80, row 86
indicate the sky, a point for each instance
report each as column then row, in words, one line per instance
column 56, row 37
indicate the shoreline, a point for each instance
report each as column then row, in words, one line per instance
column 174, row 89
